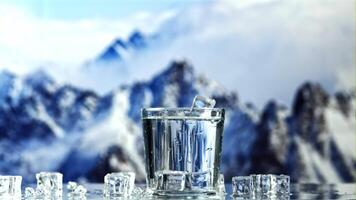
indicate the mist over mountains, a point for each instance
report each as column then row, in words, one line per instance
column 49, row 126
column 260, row 45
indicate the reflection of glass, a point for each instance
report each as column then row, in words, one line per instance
column 182, row 149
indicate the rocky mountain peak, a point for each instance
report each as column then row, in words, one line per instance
column 179, row 70
column 137, row 40
column 168, row 86
column 270, row 147
column 308, row 115
column 96, row 134
column 41, row 81
column 310, row 99
column 344, row 100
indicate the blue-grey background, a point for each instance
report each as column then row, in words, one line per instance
column 75, row 75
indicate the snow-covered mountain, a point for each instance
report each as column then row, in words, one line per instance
column 48, row 126
column 119, row 50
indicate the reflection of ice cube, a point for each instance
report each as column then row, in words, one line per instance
column 10, row 187
column 49, row 184
column 203, row 102
column 119, row 184
column 170, row 180
column 241, row 186
column 201, row 180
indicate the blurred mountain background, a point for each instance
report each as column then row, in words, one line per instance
column 71, row 88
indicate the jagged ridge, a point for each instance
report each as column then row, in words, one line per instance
column 103, row 133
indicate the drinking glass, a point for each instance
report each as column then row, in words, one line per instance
column 183, row 150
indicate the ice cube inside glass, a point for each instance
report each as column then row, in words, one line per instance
column 170, row 180
column 182, row 140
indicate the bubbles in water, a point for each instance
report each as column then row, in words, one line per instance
column 176, row 141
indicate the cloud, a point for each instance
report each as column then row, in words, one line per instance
column 261, row 49
column 264, row 50
column 28, row 41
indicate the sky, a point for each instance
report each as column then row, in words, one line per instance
column 262, row 49
column 28, row 29
column 103, row 9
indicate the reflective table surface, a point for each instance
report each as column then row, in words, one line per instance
column 298, row 191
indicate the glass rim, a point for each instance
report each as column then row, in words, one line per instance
column 182, row 112
column 154, row 109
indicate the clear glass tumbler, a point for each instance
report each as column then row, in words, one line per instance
column 183, row 150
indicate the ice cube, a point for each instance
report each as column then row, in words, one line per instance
column 49, row 184
column 138, row 192
column 4, row 185
column 10, row 187
column 29, row 192
column 170, row 180
column 201, row 180
column 77, row 192
column 268, row 185
column 282, row 185
column 81, row 190
column 221, row 185
column 202, row 102
column 119, row 184
column 42, row 192
column 71, row 186
column 241, row 186
column 256, row 186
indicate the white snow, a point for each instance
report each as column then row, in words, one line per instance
column 67, row 99
column 114, row 129
column 11, row 86
column 313, row 161
column 343, row 130
column 41, row 114
column 170, row 95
